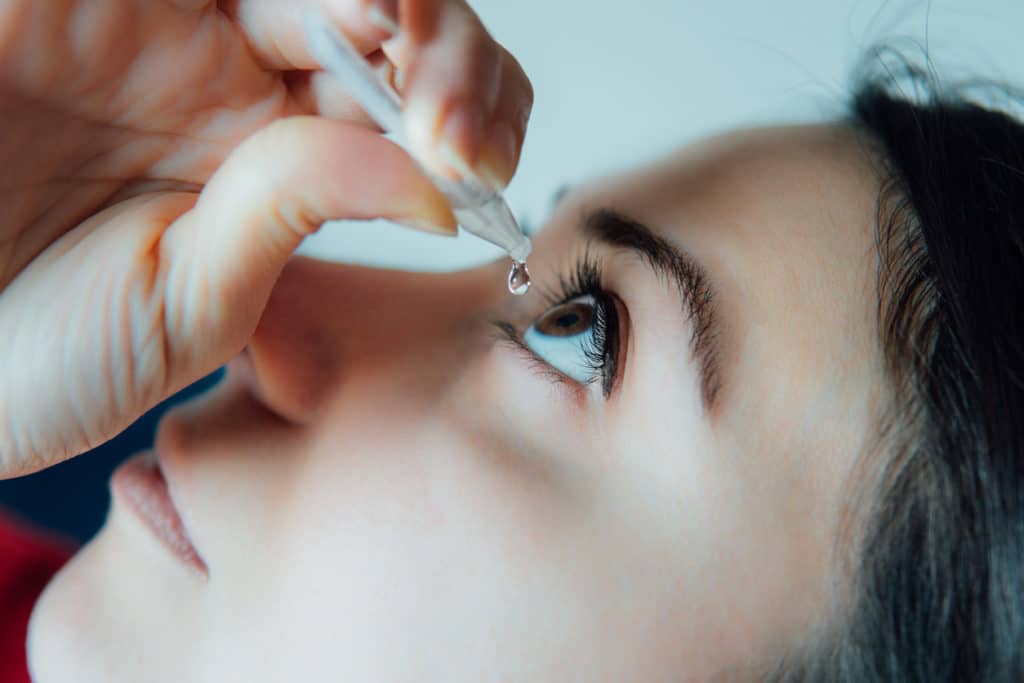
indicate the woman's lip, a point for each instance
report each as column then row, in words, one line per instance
column 140, row 484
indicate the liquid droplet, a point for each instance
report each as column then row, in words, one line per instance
column 519, row 278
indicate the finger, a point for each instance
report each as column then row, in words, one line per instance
column 454, row 75
column 452, row 79
column 83, row 364
column 274, row 190
column 275, row 35
column 318, row 92
column 506, row 131
column 156, row 292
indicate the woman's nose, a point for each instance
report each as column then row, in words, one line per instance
column 327, row 324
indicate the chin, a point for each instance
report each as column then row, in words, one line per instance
column 108, row 615
column 59, row 619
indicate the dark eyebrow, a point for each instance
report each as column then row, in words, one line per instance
column 690, row 278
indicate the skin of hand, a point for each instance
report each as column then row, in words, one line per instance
column 160, row 161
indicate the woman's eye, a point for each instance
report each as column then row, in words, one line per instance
column 571, row 339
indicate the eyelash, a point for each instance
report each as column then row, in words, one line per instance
column 602, row 354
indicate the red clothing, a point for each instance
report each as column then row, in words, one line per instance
column 29, row 557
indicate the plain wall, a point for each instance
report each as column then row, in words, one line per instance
column 617, row 83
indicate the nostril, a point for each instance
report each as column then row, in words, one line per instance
column 283, row 394
column 292, row 358
column 327, row 324
column 242, row 369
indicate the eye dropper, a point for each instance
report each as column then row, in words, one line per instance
column 479, row 209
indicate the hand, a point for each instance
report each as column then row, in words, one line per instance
column 160, row 160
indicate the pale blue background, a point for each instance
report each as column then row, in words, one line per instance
column 619, row 82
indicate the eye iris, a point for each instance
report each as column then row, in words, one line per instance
column 566, row 320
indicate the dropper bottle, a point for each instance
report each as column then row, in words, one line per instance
column 479, row 209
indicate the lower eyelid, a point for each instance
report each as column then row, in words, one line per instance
column 510, row 337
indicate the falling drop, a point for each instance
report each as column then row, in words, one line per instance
column 519, row 278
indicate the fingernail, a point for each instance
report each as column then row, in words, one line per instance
column 432, row 214
column 424, row 225
column 498, row 157
column 397, row 80
column 384, row 15
column 460, row 139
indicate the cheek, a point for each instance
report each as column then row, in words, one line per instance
column 423, row 530
column 422, row 490
column 419, row 547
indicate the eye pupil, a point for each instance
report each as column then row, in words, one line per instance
column 566, row 320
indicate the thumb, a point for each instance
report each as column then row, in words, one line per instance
column 159, row 290
column 279, row 186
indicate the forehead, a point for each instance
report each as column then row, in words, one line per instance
column 758, row 188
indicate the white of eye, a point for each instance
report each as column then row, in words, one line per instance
column 563, row 336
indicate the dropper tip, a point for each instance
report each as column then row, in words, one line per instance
column 522, row 250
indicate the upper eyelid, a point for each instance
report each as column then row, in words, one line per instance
column 555, row 294
column 698, row 297
column 704, row 339
column 693, row 283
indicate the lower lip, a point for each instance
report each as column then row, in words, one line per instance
column 140, row 484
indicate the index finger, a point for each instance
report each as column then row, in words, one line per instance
column 467, row 100
column 275, row 34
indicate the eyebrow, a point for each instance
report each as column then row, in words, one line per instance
column 690, row 278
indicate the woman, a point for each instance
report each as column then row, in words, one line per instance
column 761, row 424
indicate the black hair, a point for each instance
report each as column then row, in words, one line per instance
column 936, row 592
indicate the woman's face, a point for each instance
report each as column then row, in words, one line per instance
column 387, row 486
